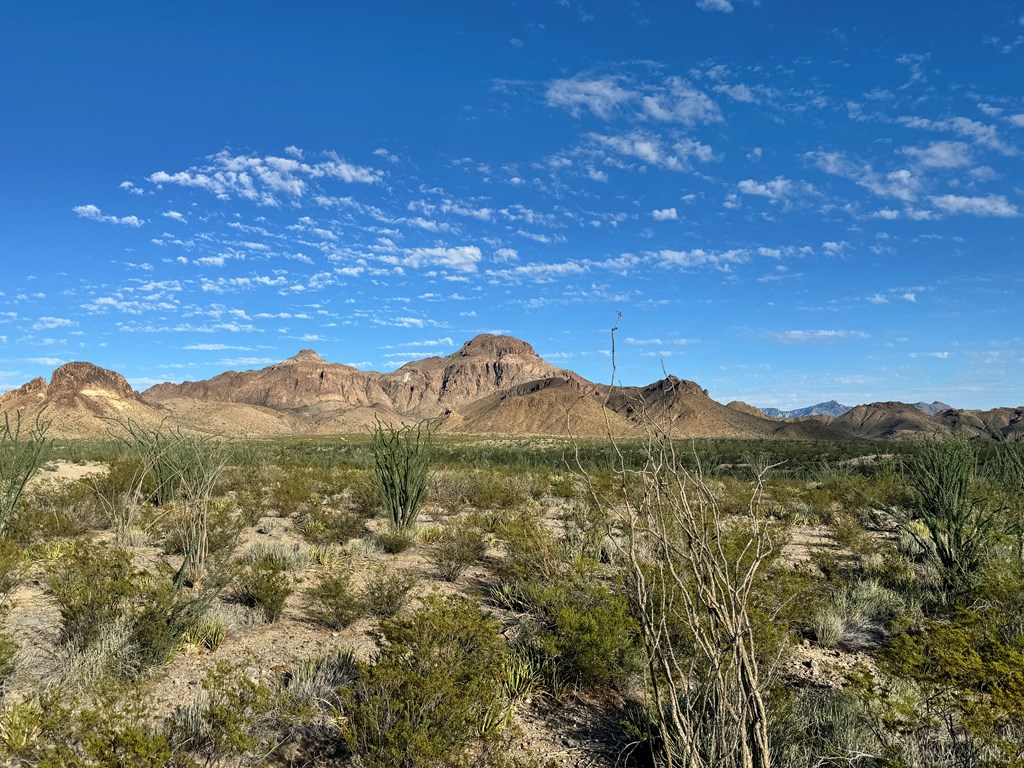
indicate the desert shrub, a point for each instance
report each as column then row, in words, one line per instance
column 54, row 730
column 91, row 584
column 230, row 717
column 326, row 526
column 857, row 616
column 387, row 591
column 431, row 687
column 295, row 491
column 334, row 602
column 532, row 550
column 584, row 630
column 23, row 450
column 56, row 509
column 458, row 547
column 395, row 540
column 969, row 687
column 401, row 467
column 116, row 619
column 264, row 584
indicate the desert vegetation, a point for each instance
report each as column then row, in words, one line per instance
column 402, row 599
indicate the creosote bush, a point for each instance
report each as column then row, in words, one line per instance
column 459, row 545
column 423, row 700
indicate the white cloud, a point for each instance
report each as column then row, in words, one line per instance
column 1017, row 120
column 776, row 190
column 463, row 258
column 909, row 296
column 990, row 205
column 941, row 154
column 812, row 336
column 93, row 213
column 665, row 214
column 982, row 135
column 701, row 258
column 878, row 298
column 45, row 323
column 45, row 360
column 649, row 149
column 601, row 96
column 680, row 102
column 174, row 215
column 933, row 355
column 506, row 254
column 263, row 179
column 722, row 6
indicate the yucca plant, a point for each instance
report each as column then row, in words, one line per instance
column 401, row 467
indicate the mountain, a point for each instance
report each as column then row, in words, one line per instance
column 82, row 400
column 684, row 409
column 484, row 365
column 831, row 408
column 932, row 408
column 492, row 385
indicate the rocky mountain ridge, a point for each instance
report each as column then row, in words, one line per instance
column 491, row 385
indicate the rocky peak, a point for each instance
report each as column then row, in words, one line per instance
column 674, row 385
column 77, row 377
column 306, row 356
column 489, row 345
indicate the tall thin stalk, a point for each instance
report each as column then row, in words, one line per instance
column 23, row 450
column 401, row 467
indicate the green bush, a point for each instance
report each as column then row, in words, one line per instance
column 115, row 618
column 324, row 526
column 387, row 591
column 458, row 547
column 334, row 602
column 230, row 717
column 264, row 584
column 585, row 630
column 395, row 540
column 430, row 689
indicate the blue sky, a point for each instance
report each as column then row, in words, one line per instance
column 787, row 201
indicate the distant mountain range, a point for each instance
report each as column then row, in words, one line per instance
column 493, row 385
column 832, row 408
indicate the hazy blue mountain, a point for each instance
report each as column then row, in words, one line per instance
column 932, row 408
column 831, row 408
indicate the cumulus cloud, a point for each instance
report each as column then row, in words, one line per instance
column 990, row 205
column 983, row 135
column 601, row 96
column 463, row 258
column 263, row 179
column 941, row 154
column 665, row 214
column 650, row 149
column 45, row 323
column 681, row 102
column 175, row 216
column 818, row 335
column 722, row 6
column 699, row 257
column 776, row 190
column 93, row 213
